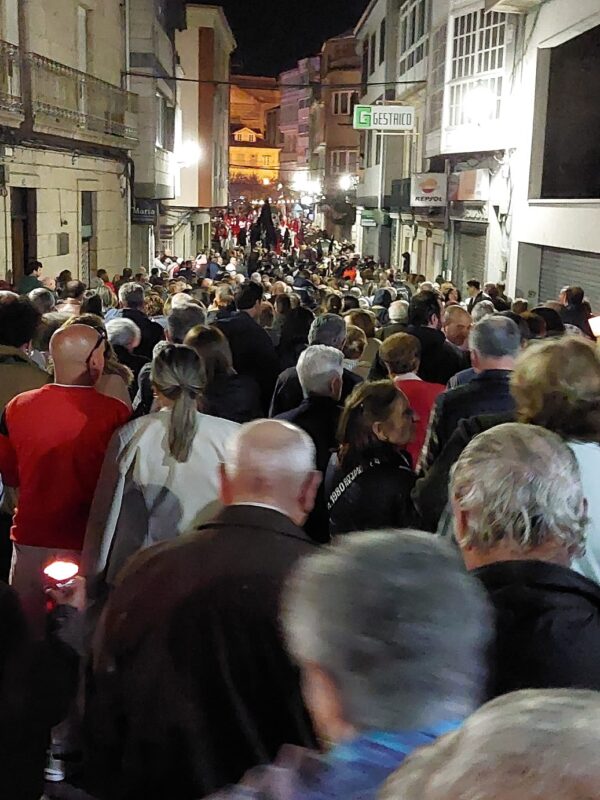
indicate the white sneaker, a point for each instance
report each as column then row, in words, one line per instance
column 55, row 769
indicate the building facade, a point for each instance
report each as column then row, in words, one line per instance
column 204, row 50
column 299, row 88
column 67, row 125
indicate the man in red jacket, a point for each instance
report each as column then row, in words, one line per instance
column 52, row 444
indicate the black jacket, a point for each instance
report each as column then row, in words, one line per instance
column 430, row 494
column 487, row 393
column 253, row 353
column 135, row 364
column 319, row 417
column 391, row 329
column 204, row 688
column 547, row 627
column 152, row 332
column 479, row 298
column 233, row 397
column 576, row 315
column 288, row 392
column 371, row 496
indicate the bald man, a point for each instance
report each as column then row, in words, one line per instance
column 203, row 678
column 52, row 444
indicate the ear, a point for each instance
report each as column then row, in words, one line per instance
column 335, row 387
column 475, row 361
column 308, row 492
column 225, row 486
column 378, row 430
column 324, row 701
column 460, row 523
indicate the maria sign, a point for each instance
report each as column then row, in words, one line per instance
column 384, row 118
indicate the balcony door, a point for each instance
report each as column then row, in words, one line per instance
column 23, row 229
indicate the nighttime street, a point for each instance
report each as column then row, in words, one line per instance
column 299, row 400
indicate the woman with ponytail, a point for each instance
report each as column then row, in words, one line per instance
column 160, row 474
column 370, row 478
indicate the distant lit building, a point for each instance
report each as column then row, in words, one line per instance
column 253, row 164
column 298, row 87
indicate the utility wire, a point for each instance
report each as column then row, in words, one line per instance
column 309, row 85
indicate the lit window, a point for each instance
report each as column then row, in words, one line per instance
column 435, row 102
column 413, row 34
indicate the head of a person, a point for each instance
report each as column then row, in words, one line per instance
column 154, row 305
column 127, row 274
column 457, row 324
column 78, row 353
column 297, row 326
column 376, row 418
column 536, row 325
column 329, row 329
column 495, row 342
column 482, row 310
column 554, row 324
column 333, row 304
column 381, row 646
column 451, row 295
column 19, row 321
column 398, row 312
column 182, row 318
column 272, row 463
column 248, row 298
column 574, row 296
column 491, row 290
column 473, row 288
column 320, row 372
column 520, row 305
column 224, row 296
column 212, row 346
column 278, row 288
column 74, row 290
column 363, row 320
column 102, row 274
column 425, row 310
column 178, row 379
column 43, row 300
column 349, row 303
column 123, row 332
column 528, row 745
column 131, row 295
column 34, row 268
column 355, row 344
column 91, row 303
column 282, row 305
column 267, row 314
column 401, row 354
column 556, row 384
column 517, row 495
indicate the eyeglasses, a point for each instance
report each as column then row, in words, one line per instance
column 102, row 339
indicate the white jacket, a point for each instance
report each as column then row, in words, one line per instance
column 145, row 496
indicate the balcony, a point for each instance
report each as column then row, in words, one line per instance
column 79, row 105
column 11, row 103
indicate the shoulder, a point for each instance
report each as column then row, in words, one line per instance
column 216, row 425
column 27, row 399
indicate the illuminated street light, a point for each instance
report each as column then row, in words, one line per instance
column 188, row 153
column 479, row 105
column 266, row 182
column 346, row 183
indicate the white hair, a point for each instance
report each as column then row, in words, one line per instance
column 398, row 311
column 398, row 625
column 520, row 484
column 483, row 309
column 530, row 744
column 317, row 366
column 122, row 331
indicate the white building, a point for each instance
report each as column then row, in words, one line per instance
column 66, row 126
column 297, row 95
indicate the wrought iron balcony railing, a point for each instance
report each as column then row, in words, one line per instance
column 81, row 100
column 10, row 79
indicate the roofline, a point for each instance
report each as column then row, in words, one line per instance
column 365, row 16
column 221, row 15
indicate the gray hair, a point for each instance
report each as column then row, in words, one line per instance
column 483, row 309
column 328, row 329
column 398, row 311
column 520, row 484
column 397, row 623
column 529, row 744
column 178, row 373
column 122, row 332
column 132, row 295
column 496, row 337
column 317, row 366
column 43, row 300
column 183, row 318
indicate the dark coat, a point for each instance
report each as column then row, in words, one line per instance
column 319, row 417
column 204, row 688
column 233, row 397
column 479, row 298
column 152, row 332
column 142, row 403
column 391, row 329
column 288, row 392
column 487, row 393
column 378, row 497
column 253, row 353
column 430, row 494
column 135, row 364
column 547, row 627
column 576, row 315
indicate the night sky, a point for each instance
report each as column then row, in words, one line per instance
column 272, row 35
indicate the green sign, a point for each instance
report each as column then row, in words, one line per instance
column 384, row 118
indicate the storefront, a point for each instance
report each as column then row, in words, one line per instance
column 561, row 268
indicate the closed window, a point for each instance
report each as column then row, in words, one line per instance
column 344, row 162
column 373, row 54
column 342, row 103
column 382, row 42
column 413, row 34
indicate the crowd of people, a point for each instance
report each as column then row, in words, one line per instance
column 335, row 533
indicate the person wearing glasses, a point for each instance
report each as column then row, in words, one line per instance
column 52, row 444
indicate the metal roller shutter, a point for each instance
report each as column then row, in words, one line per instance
column 569, row 268
column 471, row 248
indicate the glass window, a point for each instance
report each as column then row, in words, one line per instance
column 378, row 144
column 413, row 34
column 373, row 54
column 382, row 42
column 161, row 113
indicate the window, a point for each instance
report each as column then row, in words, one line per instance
column 365, row 66
column 435, row 103
column 373, row 53
column 413, row 34
column 161, row 114
column 342, row 103
column 382, row 42
column 369, row 148
column 266, row 160
column 478, row 56
column 244, row 136
column 344, row 162
column 378, row 144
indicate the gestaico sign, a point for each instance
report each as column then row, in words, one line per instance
column 384, row 118
column 429, row 190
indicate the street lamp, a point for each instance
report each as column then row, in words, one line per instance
column 346, row 182
column 188, row 153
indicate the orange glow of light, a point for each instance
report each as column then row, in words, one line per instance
column 61, row 570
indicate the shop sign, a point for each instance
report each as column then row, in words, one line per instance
column 384, row 118
column 144, row 212
column 473, row 185
column 429, row 190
